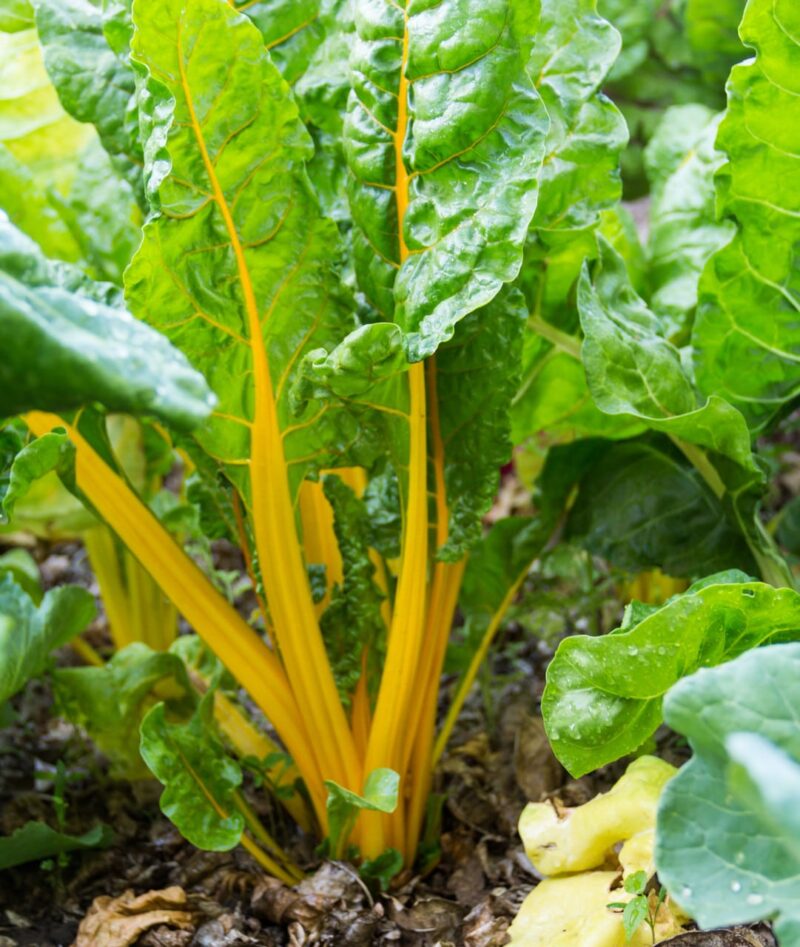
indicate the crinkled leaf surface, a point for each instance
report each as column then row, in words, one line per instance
column 569, row 62
column 746, row 337
column 681, row 160
column 94, row 81
column 633, row 370
column 110, row 701
column 728, row 839
column 200, row 780
column 63, row 349
column 35, row 841
column 443, row 117
column 477, row 375
column 604, row 695
column 28, row 634
column 352, row 622
column 642, row 507
column 239, row 262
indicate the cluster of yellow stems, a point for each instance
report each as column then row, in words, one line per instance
column 290, row 676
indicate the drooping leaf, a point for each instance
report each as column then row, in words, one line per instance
column 681, row 160
column 28, row 634
column 604, row 695
column 63, row 349
column 380, row 795
column 109, row 702
column 94, row 81
column 200, row 780
column 642, row 507
column 477, row 375
column 443, row 116
column 728, row 842
column 36, row 841
column 746, row 339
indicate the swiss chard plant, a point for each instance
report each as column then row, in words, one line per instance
column 338, row 259
column 348, row 213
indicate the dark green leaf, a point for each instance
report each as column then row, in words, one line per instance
column 642, row 507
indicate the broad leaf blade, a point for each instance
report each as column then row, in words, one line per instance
column 63, row 349
column 463, row 152
column 603, row 696
column 238, row 262
column 736, row 862
column 746, row 338
column 110, row 701
column 200, row 780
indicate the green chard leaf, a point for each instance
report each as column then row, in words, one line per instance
column 712, row 31
column 352, row 622
column 681, row 160
column 477, row 375
column 727, row 837
column 746, row 338
column 63, row 348
column 642, row 507
column 603, row 697
column 200, row 780
column 28, row 634
column 633, row 371
column 94, row 81
column 36, row 841
column 237, row 238
column 569, row 62
column 465, row 139
column 109, row 702
column 292, row 31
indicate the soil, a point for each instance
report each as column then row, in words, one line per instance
column 472, row 888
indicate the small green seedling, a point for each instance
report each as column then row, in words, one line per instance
column 639, row 909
